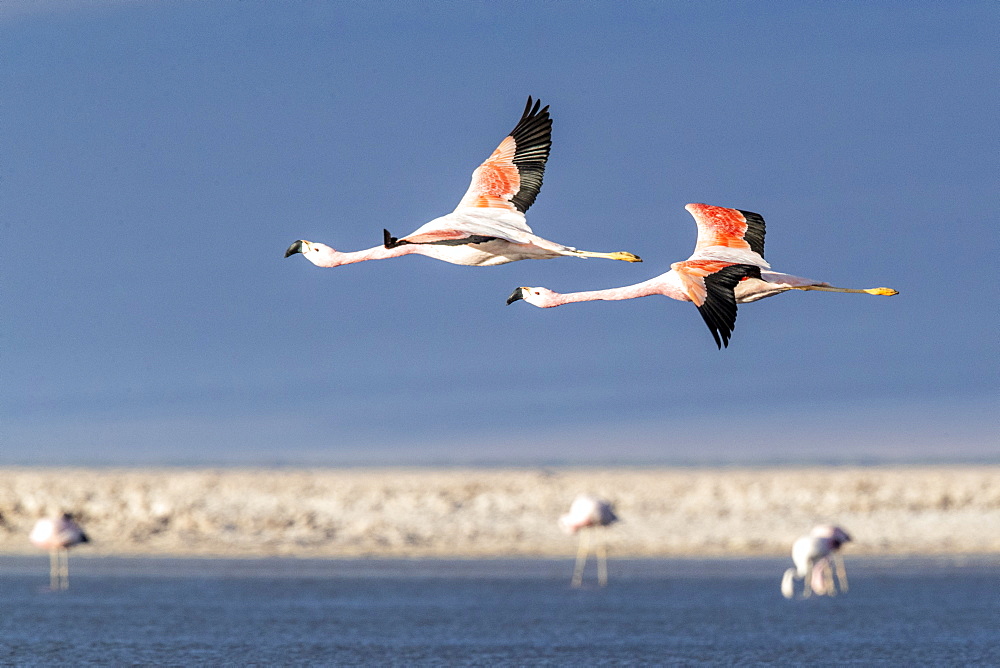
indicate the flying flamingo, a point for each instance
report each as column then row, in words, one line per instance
column 586, row 513
column 815, row 555
column 726, row 268
column 488, row 226
column 57, row 536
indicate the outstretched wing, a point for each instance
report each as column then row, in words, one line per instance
column 728, row 232
column 511, row 178
column 711, row 286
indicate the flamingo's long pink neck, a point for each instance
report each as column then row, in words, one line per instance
column 654, row 286
column 376, row 253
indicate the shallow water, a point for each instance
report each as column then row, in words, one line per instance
column 493, row 612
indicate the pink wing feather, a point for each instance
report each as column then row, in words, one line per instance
column 730, row 248
column 512, row 176
column 728, row 228
column 506, row 183
column 692, row 274
column 495, row 182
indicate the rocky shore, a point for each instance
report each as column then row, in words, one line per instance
column 503, row 512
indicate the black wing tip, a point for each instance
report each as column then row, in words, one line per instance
column 531, row 108
column 534, row 115
column 756, row 229
column 533, row 137
column 528, row 110
column 719, row 310
column 720, row 332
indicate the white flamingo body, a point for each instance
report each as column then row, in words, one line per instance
column 815, row 556
column 585, row 514
column 57, row 536
column 726, row 268
column 510, row 239
column 488, row 227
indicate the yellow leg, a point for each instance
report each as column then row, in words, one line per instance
column 581, row 558
column 888, row 292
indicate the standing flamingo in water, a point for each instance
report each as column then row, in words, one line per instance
column 488, row 226
column 586, row 513
column 727, row 268
column 57, row 536
column 815, row 555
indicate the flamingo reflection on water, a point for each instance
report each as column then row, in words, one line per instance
column 585, row 514
column 57, row 536
column 817, row 559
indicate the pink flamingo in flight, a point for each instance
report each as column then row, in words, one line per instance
column 815, row 555
column 488, row 227
column 726, row 268
column 57, row 536
column 585, row 514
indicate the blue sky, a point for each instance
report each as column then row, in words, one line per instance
column 157, row 159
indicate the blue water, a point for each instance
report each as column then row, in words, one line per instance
column 493, row 612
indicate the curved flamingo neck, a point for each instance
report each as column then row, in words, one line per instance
column 377, row 253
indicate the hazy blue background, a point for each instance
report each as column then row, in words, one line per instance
column 157, row 159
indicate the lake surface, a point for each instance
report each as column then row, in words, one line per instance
column 493, row 612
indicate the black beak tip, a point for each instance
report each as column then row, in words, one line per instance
column 514, row 296
column 294, row 248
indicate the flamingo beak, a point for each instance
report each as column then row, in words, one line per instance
column 514, row 296
column 296, row 247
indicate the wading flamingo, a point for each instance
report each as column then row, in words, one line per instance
column 815, row 556
column 488, row 226
column 57, row 536
column 585, row 514
column 727, row 268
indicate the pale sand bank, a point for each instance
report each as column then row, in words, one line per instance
column 504, row 512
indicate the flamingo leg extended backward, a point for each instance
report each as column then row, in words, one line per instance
column 888, row 292
column 619, row 255
column 581, row 558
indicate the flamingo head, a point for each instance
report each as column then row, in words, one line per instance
column 540, row 297
column 319, row 254
column 840, row 537
column 834, row 534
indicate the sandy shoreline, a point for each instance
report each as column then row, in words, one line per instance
column 919, row 510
